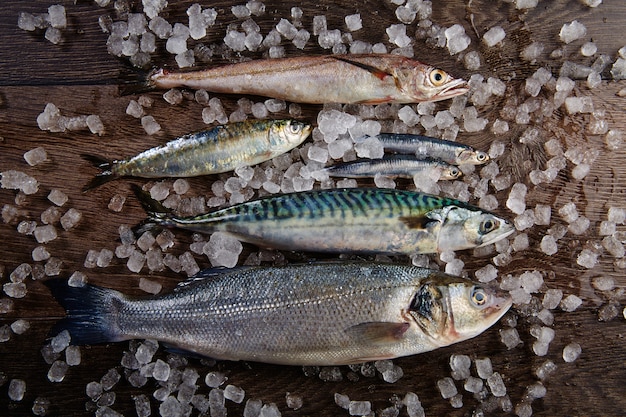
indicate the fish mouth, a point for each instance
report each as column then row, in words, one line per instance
column 506, row 230
column 455, row 88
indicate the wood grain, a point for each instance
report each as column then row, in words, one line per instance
column 81, row 78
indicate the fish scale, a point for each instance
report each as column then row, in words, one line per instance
column 309, row 314
column 353, row 220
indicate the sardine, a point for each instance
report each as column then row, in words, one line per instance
column 355, row 220
column 220, row 149
column 454, row 153
column 313, row 314
column 367, row 79
column 402, row 166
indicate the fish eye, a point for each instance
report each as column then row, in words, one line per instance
column 479, row 296
column 455, row 172
column 294, row 128
column 438, row 77
column 481, row 156
column 487, row 226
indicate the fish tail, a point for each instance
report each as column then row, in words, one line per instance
column 136, row 80
column 106, row 174
column 158, row 216
column 90, row 312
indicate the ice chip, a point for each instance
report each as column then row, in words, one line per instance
column 572, row 31
column 353, row 22
column 493, row 36
column 17, row 389
column 447, row 388
column 571, row 352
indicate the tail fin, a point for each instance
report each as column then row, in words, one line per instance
column 104, row 176
column 89, row 312
column 158, row 216
column 136, row 80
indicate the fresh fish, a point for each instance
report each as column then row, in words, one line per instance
column 368, row 79
column 397, row 165
column 357, row 220
column 425, row 146
column 313, row 314
column 220, row 149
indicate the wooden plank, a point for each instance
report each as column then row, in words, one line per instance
column 74, row 76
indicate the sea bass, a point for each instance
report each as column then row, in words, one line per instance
column 454, row 153
column 367, row 79
column 313, row 314
column 356, row 220
column 220, row 149
column 402, row 166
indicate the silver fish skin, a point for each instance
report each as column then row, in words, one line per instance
column 313, row 314
column 220, row 149
column 353, row 220
column 402, row 166
column 454, row 153
column 366, row 79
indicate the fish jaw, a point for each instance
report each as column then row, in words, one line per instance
column 466, row 320
column 456, row 87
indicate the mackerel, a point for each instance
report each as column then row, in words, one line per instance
column 354, row 220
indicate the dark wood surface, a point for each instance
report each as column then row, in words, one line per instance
column 81, row 78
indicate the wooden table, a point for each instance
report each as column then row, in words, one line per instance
column 81, row 78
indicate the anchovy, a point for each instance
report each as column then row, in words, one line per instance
column 368, row 79
column 314, row 314
column 220, row 149
column 397, row 165
column 425, row 146
column 356, row 220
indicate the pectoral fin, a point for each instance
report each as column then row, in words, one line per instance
column 416, row 222
column 376, row 71
column 379, row 332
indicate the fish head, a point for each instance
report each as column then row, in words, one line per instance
column 425, row 83
column 472, row 157
column 451, row 172
column 451, row 309
column 467, row 228
column 287, row 134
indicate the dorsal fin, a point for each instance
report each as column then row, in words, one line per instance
column 211, row 273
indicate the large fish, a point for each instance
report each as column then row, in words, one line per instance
column 368, row 79
column 403, row 166
column 220, row 149
column 428, row 147
column 314, row 314
column 357, row 220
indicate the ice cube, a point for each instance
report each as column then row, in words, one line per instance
column 57, row 371
column 447, row 388
column 35, row 156
column 510, row 337
column 572, row 31
column 571, row 352
column 149, row 286
column 293, row 401
column 570, row 303
column 353, row 22
column 460, row 366
column 493, row 36
column 546, row 369
column 397, row 35
column 17, row 389
column 234, row 394
column 587, row 258
column 150, row 125
column 456, row 39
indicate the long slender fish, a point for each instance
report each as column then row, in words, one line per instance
column 315, row 314
column 454, row 153
column 220, row 149
column 357, row 220
column 368, row 79
column 402, row 166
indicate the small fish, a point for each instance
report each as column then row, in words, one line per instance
column 367, row 79
column 220, row 149
column 355, row 220
column 310, row 314
column 397, row 166
column 425, row 146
